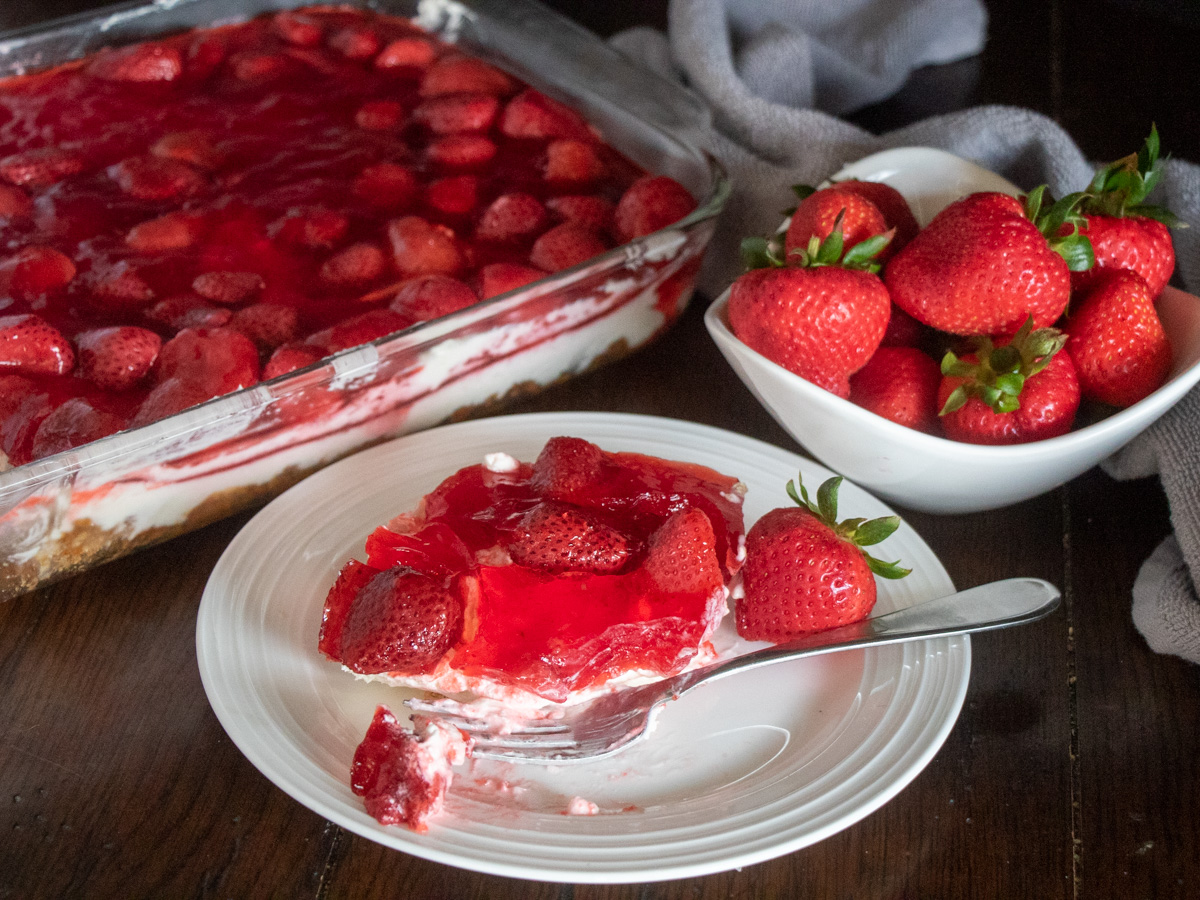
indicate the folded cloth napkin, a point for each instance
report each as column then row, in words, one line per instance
column 775, row 74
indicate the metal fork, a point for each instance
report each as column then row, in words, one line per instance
column 613, row 721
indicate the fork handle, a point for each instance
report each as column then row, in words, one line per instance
column 998, row 604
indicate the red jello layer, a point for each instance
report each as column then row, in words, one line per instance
column 253, row 197
column 551, row 578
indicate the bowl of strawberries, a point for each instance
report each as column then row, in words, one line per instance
column 953, row 344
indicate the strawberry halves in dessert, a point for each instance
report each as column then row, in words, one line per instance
column 543, row 583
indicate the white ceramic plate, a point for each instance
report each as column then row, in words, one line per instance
column 744, row 770
column 930, row 473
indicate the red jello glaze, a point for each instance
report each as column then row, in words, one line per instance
column 570, row 572
column 280, row 178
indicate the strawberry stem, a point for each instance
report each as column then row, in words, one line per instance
column 1120, row 189
column 1060, row 224
column 998, row 375
column 860, row 532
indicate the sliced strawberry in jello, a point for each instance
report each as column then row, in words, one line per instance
column 531, row 114
column 431, row 297
column 297, row 28
column 512, row 218
column 421, row 248
column 172, row 231
column 361, row 329
column 269, row 325
column 406, row 53
column 289, row 358
column 315, row 228
column 500, row 278
column 453, row 197
column 73, row 424
column 564, row 246
column 402, row 620
column 386, row 185
column 453, row 113
column 589, row 210
column 41, row 167
column 147, row 62
column 573, row 162
column 355, row 266
column 29, row 345
column 461, row 151
column 465, row 74
column 187, row 311
column 34, row 271
column 228, row 288
column 14, row 203
column 219, row 360
column 649, row 204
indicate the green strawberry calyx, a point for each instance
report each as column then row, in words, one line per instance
column 998, row 374
column 1120, row 188
column 762, row 253
column 859, row 532
column 1059, row 222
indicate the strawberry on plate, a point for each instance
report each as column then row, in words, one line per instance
column 1024, row 389
column 29, row 345
column 805, row 571
column 988, row 261
column 118, row 357
column 821, row 316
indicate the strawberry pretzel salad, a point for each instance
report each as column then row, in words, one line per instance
column 193, row 216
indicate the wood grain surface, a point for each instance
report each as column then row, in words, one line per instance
column 1071, row 773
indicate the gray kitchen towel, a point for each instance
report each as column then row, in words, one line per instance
column 776, row 73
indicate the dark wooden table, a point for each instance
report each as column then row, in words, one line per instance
column 1072, row 771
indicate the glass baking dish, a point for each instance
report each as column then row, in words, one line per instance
column 73, row 510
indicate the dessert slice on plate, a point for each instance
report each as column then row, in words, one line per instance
column 531, row 585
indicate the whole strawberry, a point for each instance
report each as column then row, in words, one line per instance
column 806, row 572
column 1125, row 231
column 1116, row 340
column 820, row 316
column 900, row 384
column 896, row 211
column 1023, row 390
column 987, row 262
column 820, row 210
